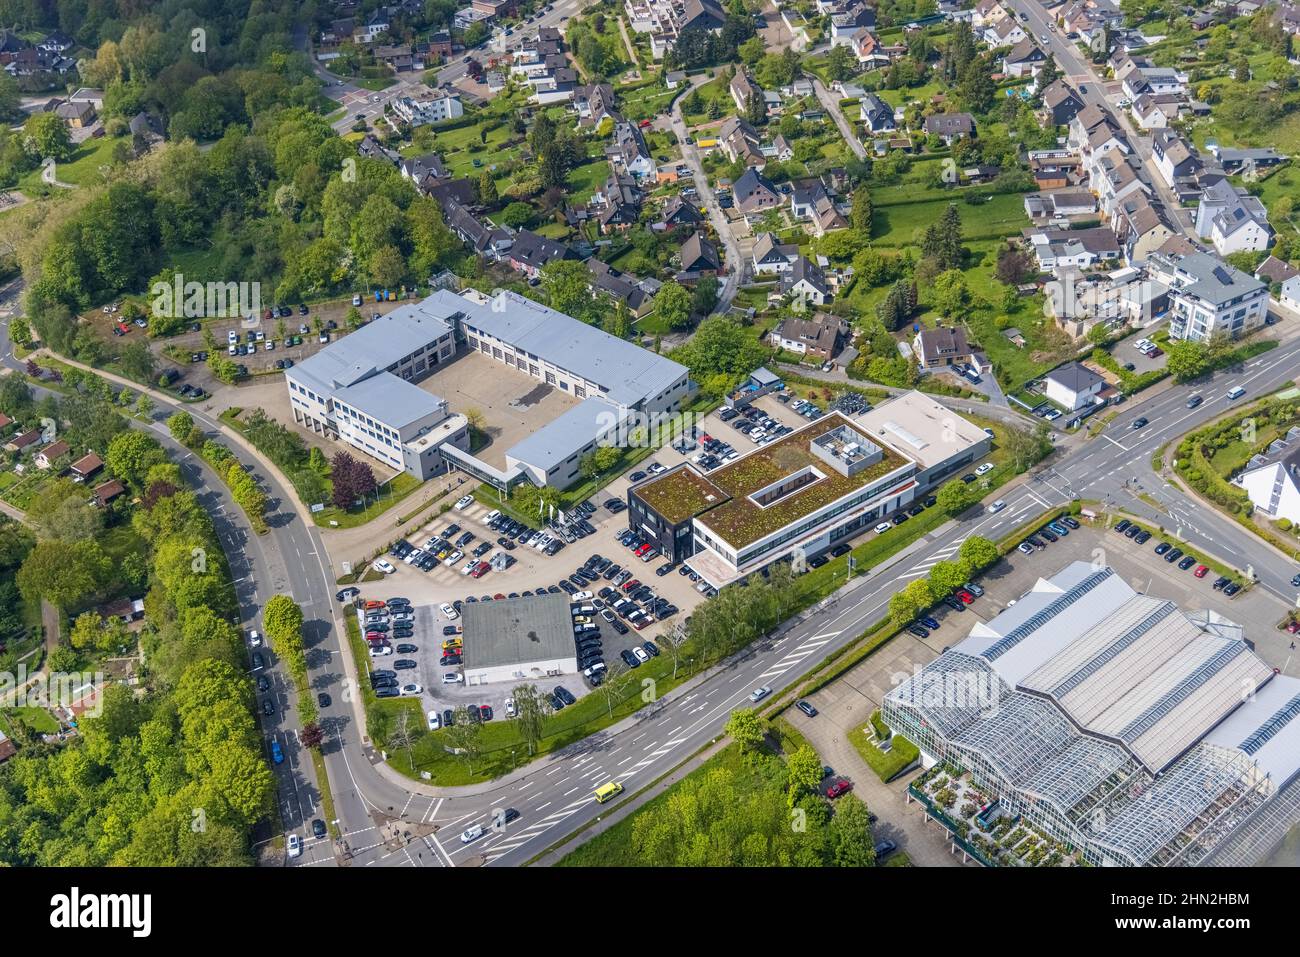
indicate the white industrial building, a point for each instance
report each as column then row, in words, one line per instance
column 518, row 639
column 1130, row 732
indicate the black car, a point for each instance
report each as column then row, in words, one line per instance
column 347, row 594
column 954, row 603
column 263, row 683
column 1186, row 563
column 1231, row 589
column 629, row 659
column 323, row 700
column 1173, row 555
column 1122, row 525
column 651, row 648
column 1132, row 531
column 968, row 477
column 885, row 848
column 1142, row 537
column 565, row 695
column 448, row 718
column 268, row 706
column 636, row 476
column 510, row 814
column 318, row 828
column 405, row 664
column 839, row 550
column 918, row 631
column 807, row 709
column 1069, row 522
column 387, row 691
column 446, row 660
column 406, row 649
column 1162, row 548
column 1220, row 582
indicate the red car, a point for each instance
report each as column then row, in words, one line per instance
column 123, row 328
column 1201, row 571
column 480, row 570
column 375, row 604
column 376, row 636
column 965, row 596
column 485, row 712
column 645, row 124
column 838, row 788
column 1293, row 627
column 630, row 584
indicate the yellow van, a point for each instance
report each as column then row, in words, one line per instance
column 607, row 791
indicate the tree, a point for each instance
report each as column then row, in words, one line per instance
column 611, row 688
column 955, row 496
column 312, row 735
column 850, row 840
column 531, row 710
column 674, row 305
column 756, row 109
column 942, row 240
column 1187, row 359
column 745, row 727
column 474, row 417
column 905, row 605
column 863, row 210
column 705, row 295
column 465, row 738
column 282, row 620
column 131, row 454
column 1024, row 447
column 945, row 577
column 487, row 188
column 978, row 553
column 567, row 285
column 353, row 480
column 47, row 137
column 67, row 574
column 950, row 294
column 597, row 463
column 517, row 215
column 181, row 426
column 840, row 64
column 804, row 771
column 1015, row 265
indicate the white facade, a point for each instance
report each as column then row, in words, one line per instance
column 1272, row 490
column 433, row 109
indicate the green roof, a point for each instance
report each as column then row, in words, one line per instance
column 682, row 493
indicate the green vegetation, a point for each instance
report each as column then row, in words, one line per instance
column 887, row 764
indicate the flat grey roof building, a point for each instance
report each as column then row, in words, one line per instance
column 627, row 373
column 391, row 400
column 568, row 433
column 517, row 633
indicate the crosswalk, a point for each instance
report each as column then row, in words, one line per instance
column 800, row 652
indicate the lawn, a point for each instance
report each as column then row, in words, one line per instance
column 715, row 90
column 82, row 170
column 644, row 102
column 903, row 223
column 390, row 493
column 586, row 180
column 38, row 719
column 887, row 764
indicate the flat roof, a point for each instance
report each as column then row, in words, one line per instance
column 629, row 372
column 740, row 521
column 372, row 348
column 567, row 433
column 681, row 494
column 920, row 428
column 390, row 399
column 517, row 631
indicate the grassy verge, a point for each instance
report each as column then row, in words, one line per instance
column 326, row 795
column 887, row 764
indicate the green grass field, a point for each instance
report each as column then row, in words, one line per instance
column 82, row 170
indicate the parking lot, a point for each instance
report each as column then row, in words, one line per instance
column 531, row 571
column 1126, row 353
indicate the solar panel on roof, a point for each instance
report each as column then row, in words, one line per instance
column 1276, row 722
column 1040, row 618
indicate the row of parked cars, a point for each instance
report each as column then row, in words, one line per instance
column 1173, row 554
column 957, row 601
column 760, row 427
column 1053, row 531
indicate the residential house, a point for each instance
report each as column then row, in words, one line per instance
column 106, row 493
column 782, row 149
column 1232, row 219
column 755, row 195
column 1240, row 162
column 86, row 466
column 433, row 107
column 77, row 116
column 771, row 257
column 24, row 440
column 944, row 346
column 617, row 206
column 743, row 89
column 636, row 294
column 87, row 94
column 59, row 42
column 1153, row 111
column 629, row 153
column 1024, row 59
column 47, row 457
column 1174, row 157
column 739, row 140
column 1060, row 204
column 1290, row 293
column 419, row 168
column 1082, row 248
column 1116, row 178
column 805, row 282
column 678, row 212
column 877, row 114
column 699, row 258
column 1006, row 32
column 1057, row 172
column 1272, row 479
column 1271, row 270
column 531, row 252
column 1154, row 80
column 1072, row 386
column 1209, row 297
column 483, row 238
column 950, row 127
column 818, row 338
column 594, row 104
column 1142, row 226
column 1060, row 104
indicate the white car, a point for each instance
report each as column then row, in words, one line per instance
column 997, row 506
column 453, row 558
column 883, row 527
column 413, row 556
column 580, row 596
column 385, row 566
column 510, row 708
column 462, row 503
column 295, row 845
column 450, row 612
column 984, row 469
column 380, row 651
column 468, row 566
column 255, row 638
column 641, row 654
column 452, row 677
column 491, row 517
column 1142, row 344
column 471, row 833
column 758, row 694
column 412, row 690
column 232, row 336
column 435, row 721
